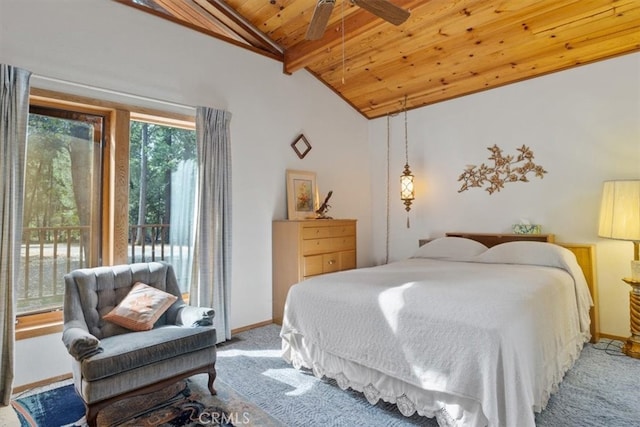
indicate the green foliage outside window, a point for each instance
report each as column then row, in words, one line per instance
column 49, row 198
column 155, row 152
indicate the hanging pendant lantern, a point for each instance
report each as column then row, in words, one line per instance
column 406, row 179
column 406, row 187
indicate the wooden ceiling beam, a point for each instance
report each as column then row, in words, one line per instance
column 185, row 11
column 238, row 24
column 191, row 15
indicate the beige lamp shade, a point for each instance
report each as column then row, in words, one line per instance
column 620, row 210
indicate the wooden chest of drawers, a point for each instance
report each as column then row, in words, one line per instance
column 305, row 248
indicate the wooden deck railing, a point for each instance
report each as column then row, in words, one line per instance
column 48, row 253
column 148, row 242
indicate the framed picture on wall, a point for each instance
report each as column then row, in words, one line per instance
column 302, row 194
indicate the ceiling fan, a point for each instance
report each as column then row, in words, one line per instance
column 381, row 8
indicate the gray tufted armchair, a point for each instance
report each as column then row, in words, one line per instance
column 110, row 362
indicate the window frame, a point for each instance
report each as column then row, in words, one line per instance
column 115, row 182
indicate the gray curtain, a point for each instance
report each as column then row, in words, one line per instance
column 183, row 197
column 14, row 113
column 211, row 282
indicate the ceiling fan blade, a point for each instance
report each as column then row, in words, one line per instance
column 384, row 9
column 320, row 19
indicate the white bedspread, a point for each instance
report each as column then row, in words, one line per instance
column 468, row 342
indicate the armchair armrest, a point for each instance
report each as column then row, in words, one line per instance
column 80, row 343
column 195, row 316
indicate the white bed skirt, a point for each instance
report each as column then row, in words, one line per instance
column 449, row 410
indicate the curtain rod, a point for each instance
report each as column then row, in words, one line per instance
column 113, row 92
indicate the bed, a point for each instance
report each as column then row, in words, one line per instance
column 469, row 334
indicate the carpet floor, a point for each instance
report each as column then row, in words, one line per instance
column 599, row 391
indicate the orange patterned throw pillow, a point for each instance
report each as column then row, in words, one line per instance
column 141, row 308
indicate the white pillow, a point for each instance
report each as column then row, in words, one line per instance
column 450, row 248
column 545, row 254
column 531, row 253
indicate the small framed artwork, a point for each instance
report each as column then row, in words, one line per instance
column 302, row 194
column 301, row 146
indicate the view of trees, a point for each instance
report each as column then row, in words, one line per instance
column 155, row 152
column 61, row 201
column 60, row 162
column 60, row 154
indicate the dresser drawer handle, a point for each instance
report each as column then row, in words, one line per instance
column 331, row 261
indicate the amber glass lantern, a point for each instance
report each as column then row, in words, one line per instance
column 406, row 188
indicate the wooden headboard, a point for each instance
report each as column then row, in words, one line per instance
column 490, row 240
column 585, row 255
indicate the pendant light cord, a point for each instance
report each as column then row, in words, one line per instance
column 406, row 139
column 343, row 53
column 406, row 146
column 386, row 260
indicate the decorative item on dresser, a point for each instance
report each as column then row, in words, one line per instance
column 321, row 212
column 302, row 194
column 305, row 248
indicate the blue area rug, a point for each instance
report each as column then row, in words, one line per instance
column 43, row 409
column 187, row 403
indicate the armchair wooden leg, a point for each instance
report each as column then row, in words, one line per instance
column 212, row 378
column 92, row 415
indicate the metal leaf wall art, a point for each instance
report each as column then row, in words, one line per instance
column 505, row 169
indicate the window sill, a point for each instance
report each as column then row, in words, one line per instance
column 36, row 325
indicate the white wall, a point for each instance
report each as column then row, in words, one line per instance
column 108, row 45
column 583, row 126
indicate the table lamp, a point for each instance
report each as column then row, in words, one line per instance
column 620, row 219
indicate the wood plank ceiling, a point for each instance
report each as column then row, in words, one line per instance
column 446, row 49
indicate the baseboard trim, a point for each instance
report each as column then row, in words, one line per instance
column 249, row 327
column 41, row 383
column 613, row 337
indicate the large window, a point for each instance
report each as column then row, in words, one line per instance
column 79, row 212
column 61, row 220
column 162, row 171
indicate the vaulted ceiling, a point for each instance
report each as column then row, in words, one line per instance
column 446, row 49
